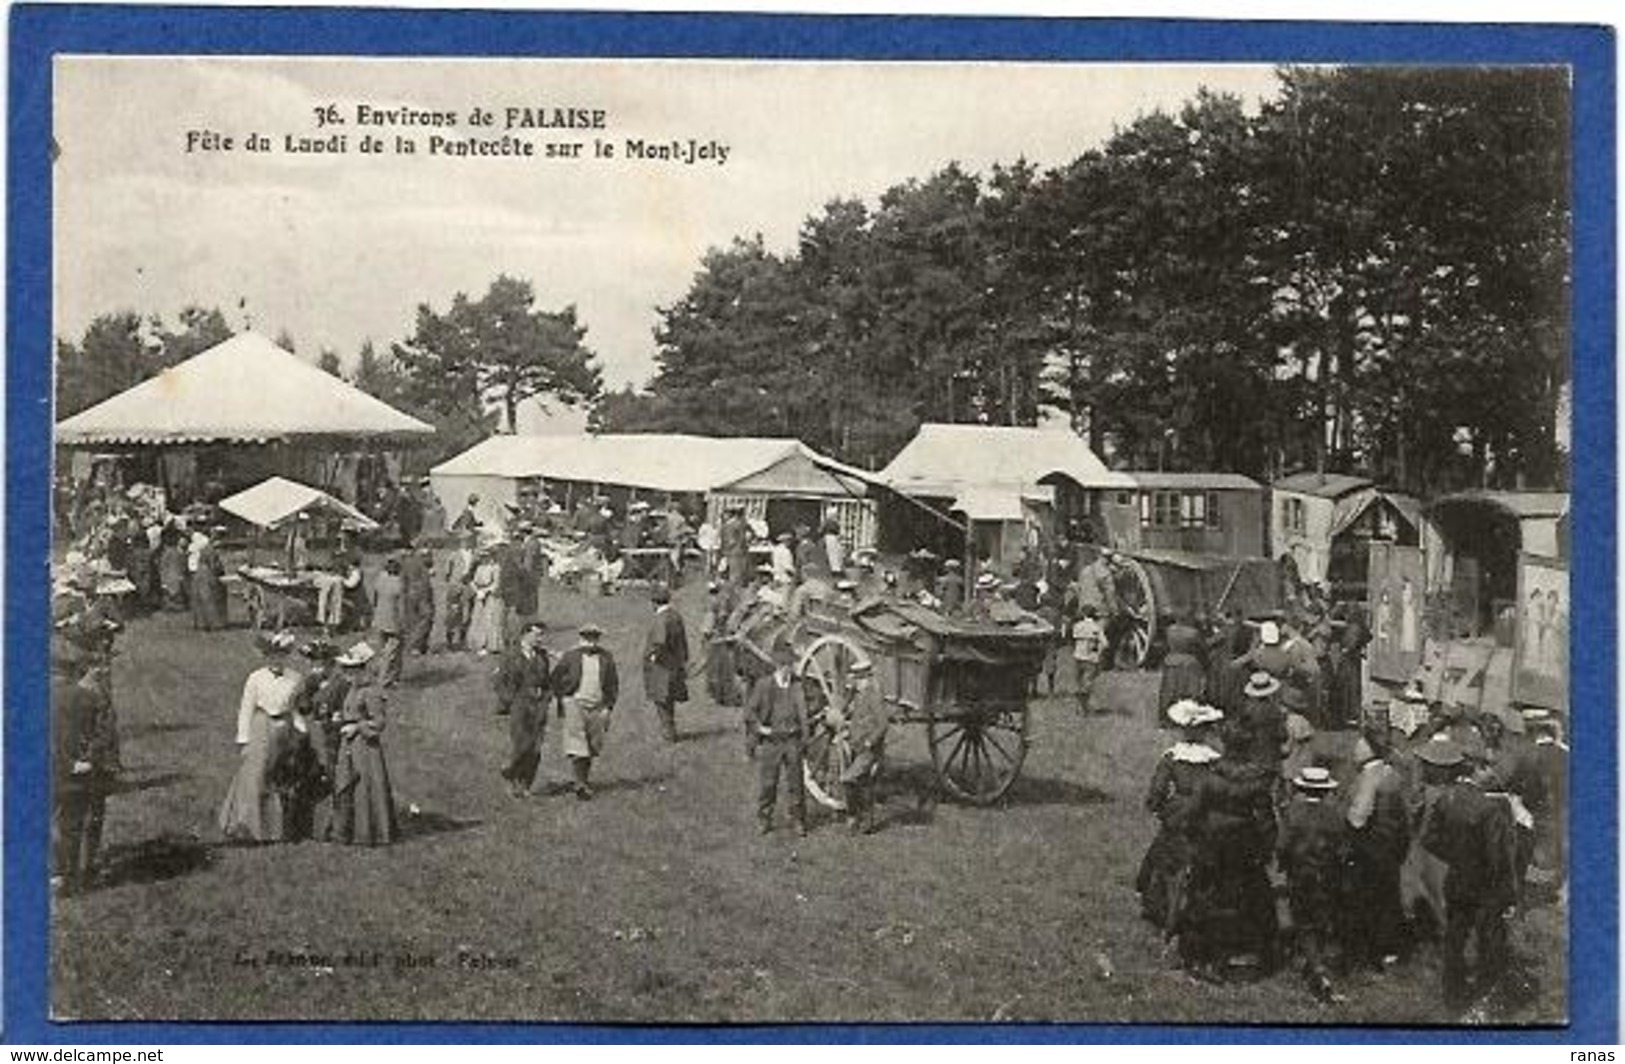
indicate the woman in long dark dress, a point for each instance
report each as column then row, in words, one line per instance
column 1179, row 776
column 363, row 803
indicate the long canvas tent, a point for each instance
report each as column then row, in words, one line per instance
column 658, row 463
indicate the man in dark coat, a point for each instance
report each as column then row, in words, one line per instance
column 665, row 662
column 1379, row 837
column 775, row 735
column 1471, row 833
column 1312, row 851
column 734, row 539
column 868, row 718
column 519, row 588
column 524, row 689
column 586, row 685
column 85, row 764
column 416, row 568
column 950, row 589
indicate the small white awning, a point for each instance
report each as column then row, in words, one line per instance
column 275, row 502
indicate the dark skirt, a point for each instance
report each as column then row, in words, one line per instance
column 363, row 804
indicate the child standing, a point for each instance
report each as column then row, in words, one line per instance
column 1088, row 641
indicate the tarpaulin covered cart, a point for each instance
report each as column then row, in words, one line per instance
column 967, row 680
column 281, row 592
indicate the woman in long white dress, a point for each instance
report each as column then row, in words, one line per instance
column 253, row 809
column 485, row 625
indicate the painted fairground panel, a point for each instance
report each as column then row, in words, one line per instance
column 1541, row 659
column 1397, row 601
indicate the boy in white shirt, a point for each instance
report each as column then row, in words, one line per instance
column 1088, row 641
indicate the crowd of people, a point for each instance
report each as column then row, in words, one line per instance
column 1283, row 782
column 1252, row 793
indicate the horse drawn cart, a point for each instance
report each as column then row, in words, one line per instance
column 966, row 680
column 1157, row 587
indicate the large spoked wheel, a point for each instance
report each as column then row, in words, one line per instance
column 1139, row 606
column 978, row 757
column 824, row 668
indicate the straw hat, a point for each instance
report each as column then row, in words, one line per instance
column 1183, row 712
column 1441, row 751
column 357, row 655
column 1314, row 778
column 1261, row 685
column 590, row 630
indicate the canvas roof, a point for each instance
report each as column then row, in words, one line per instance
column 1525, row 505
column 245, row 390
column 659, row 462
column 1156, row 481
column 273, row 503
column 1324, row 485
column 954, row 457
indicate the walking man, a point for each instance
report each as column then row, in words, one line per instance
column 775, row 733
column 1311, row 851
column 85, row 734
column 587, row 686
column 416, row 576
column 524, row 687
column 1470, row 833
column 1379, row 836
column 868, row 718
column 665, row 662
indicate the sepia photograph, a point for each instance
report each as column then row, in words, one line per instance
column 747, row 541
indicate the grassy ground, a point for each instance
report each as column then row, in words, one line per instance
column 657, row 901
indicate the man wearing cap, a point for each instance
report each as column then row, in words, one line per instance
column 586, row 683
column 868, row 717
column 665, row 661
column 85, row 764
column 1379, row 836
column 1312, row 850
column 1261, row 716
column 524, row 689
column 775, row 735
column 1471, row 833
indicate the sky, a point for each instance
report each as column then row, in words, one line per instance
column 336, row 249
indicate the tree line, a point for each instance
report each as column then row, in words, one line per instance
column 1370, row 273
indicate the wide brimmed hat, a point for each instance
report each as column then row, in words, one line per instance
column 1269, row 633
column 987, row 580
column 953, row 563
column 1314, row 778
column 319, row 650
column 1261, row 685
column 784, row 537
column 846, row 585
column 590, row 630
column 357, row 655
column 860, row 667
column 1441, row 751
column 1206, row 714
column 1184, row 712
column 765, row 570
column 275, row 643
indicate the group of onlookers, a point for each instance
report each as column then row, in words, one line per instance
column 1472, row 802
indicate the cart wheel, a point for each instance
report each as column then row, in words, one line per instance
column 823, row 670
column 978, row 757
column 1139, row 604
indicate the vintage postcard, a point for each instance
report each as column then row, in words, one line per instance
column 819, row 539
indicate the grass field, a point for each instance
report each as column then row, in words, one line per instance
column 657, row 901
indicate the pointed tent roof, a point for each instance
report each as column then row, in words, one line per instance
column 988, row 455
column 245, row 390
column 274, row 502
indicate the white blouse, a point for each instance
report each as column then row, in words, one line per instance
column 268, row 692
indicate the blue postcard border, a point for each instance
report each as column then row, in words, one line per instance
column 40, row 32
